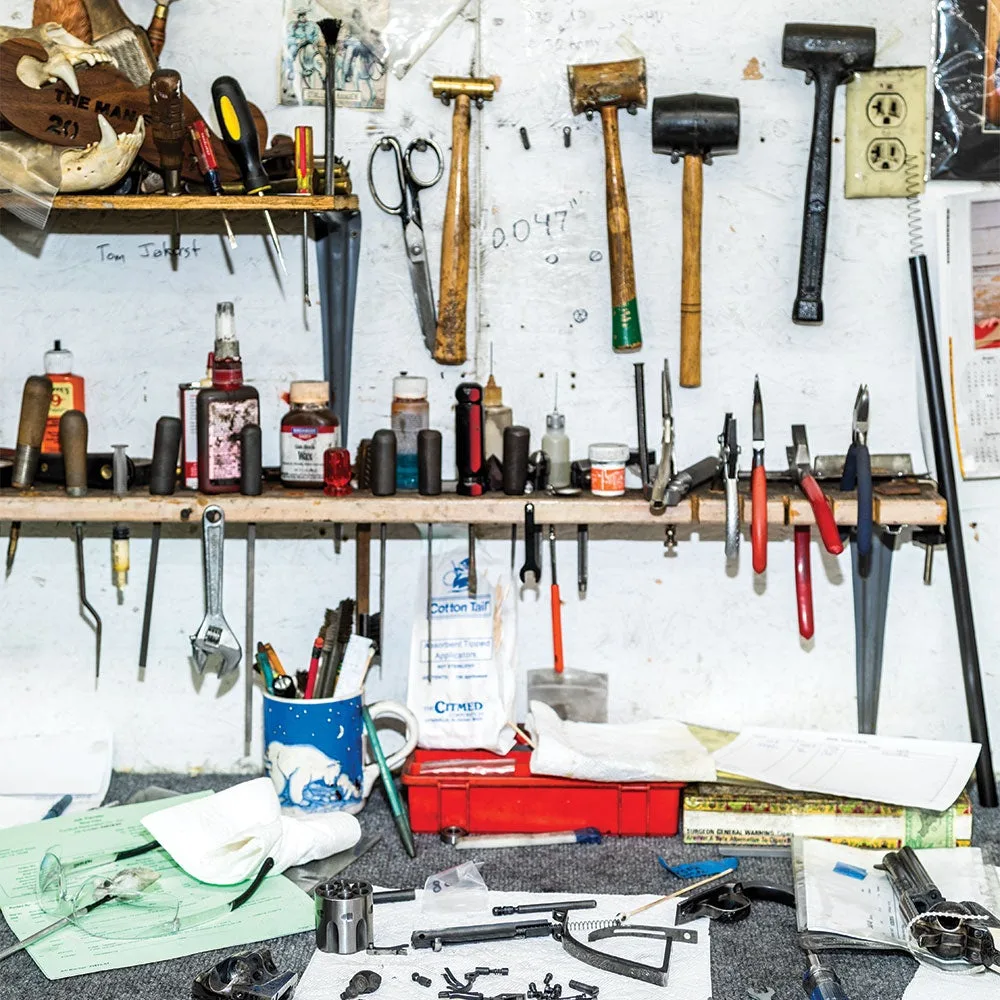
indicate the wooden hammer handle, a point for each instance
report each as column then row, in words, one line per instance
column 691, row 274
column 992, row 104
column 449, row 342
column 157, row 30
column 626, row 336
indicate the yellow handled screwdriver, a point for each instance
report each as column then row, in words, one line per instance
column 240, row 135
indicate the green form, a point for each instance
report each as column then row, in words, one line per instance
column 277, row 908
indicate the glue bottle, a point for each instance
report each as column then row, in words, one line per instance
column 67, row 394
column 495, row 414
column 555, row 444
column 223, row 410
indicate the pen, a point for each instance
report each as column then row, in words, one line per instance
column 265, row 669
column 273, row 657
column 59, row 807
column 314, row 667
column 396, row 804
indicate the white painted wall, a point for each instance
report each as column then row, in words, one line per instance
column 679, row 636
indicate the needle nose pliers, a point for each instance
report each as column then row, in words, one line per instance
column 858, row 472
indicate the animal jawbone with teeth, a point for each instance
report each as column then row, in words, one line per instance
column 64, row 51
column 102, row 163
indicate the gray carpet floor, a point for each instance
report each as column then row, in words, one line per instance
column 758, row 953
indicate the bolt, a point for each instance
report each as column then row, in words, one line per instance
column 420, row 980
column 548, row 978
column 575, row 984
column 524, row 137
column 567, row 136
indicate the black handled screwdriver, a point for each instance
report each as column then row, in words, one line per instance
column 240, row 135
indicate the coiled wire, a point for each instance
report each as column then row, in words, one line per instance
column 914, row 216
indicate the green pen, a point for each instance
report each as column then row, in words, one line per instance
column 264, row 665
column 396, row 803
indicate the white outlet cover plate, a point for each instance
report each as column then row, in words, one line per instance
column 885, row 141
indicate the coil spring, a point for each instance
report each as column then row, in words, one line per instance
column 585, row 926
column 914, row 217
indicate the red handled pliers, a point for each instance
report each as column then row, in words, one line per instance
column 758, row 486
column 801, row 467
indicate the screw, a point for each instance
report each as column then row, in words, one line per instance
column 567, row 136
column 524, row 137
column 421, row 980
column 548, row 978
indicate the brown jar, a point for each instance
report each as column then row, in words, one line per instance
column 307, row 430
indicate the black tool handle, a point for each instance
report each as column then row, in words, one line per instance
column 239, row 132
column 251, row 473
column 515, row 459
column 470, row 443
column 73, row 445
column 166, row 455
column 809, row 300
column 429, row 463
column 383, row 459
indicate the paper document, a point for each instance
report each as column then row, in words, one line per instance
column 277, row 908
column 933, row 984
column 856, row 903
column 690, row 973
column 924, row 774
column 51, row 764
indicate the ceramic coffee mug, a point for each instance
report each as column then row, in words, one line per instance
column 317, row 754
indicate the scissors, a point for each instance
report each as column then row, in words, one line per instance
column 408, row 210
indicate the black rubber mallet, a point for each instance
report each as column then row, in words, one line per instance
column 829, row 55
column 697, row 127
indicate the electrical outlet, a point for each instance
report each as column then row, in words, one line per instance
column 885, row 144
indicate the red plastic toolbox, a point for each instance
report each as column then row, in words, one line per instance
column 523, row 802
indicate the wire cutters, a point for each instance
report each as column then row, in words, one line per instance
column 408, row 210
column 858, row 472
column 800, row 465
column 665, row 468
column 729, row 452
column 758, row 486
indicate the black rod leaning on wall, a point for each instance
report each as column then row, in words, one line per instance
column 941, row 436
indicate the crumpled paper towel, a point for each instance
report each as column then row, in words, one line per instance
column 224, row 838
column 655, row 750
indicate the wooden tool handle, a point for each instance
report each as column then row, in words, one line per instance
column 73, row 445
column 992, row 104
column 449, row 341
column 34, row 410
column 157, row 30
column 691, row 274
column 626, row 336
column 362, row 568
column 557, row 638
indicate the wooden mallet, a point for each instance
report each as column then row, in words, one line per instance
column 604, row 88
column 453, row 295
column 697, row 127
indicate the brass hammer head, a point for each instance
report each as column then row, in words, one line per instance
column 593, row 86
column 478, row 88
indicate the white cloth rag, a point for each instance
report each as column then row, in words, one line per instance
column 224, row 838
column 654, row 750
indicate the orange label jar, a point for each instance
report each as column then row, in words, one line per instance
column 607, row 469
column 67, row 394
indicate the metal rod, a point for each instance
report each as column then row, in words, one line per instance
column 640, row 417
column 941, row 437
column 250, row 647
column 147, row 613
column 81, row 579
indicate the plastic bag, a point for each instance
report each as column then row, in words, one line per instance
column 30, row 175
column 966, row 135
column 456, row 892
column 469, row 701
column 411, row 32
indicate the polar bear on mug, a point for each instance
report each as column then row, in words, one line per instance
column 309, row 779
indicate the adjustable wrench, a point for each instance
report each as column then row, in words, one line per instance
column 214, row 641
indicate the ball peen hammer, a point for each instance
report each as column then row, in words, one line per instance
column 697, row 127
column 604, row 88
column 829, row 54
column 449, row 340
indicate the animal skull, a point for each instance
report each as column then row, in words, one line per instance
column 102, row 163
column 64, row 51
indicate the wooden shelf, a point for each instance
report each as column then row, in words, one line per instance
column 281, row 506
column 203, row 203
